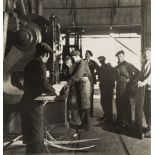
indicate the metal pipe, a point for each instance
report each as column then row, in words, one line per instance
column 29, row 7
column 5, row 27
column 124, row 45
column 12, row 141
column 23, row 8
column 39, row 7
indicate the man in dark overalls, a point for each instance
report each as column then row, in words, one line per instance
column 106, row 83
column 93, row 66
column 126, row 74
column 35, row 83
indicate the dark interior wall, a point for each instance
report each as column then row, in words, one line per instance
column 96, row 17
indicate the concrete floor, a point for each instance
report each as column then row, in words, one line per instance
column 111, row 142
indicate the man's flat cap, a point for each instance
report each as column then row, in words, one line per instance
column 75, row 53
column 90, row 52
column 101, row 58
column 119, row 52
column 44, row 47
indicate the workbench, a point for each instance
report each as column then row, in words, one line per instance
column 55, row 110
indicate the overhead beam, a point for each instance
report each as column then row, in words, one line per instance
column 106, row 29
column 85, row 8
column 103, row 25
column 96, row 37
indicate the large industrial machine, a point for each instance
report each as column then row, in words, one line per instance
column 22, row 31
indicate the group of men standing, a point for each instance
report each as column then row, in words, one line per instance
column 80, row 78
column 127, row 79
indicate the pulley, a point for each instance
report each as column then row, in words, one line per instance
column 28, row 36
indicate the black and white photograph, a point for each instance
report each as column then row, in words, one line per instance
column 76, row 77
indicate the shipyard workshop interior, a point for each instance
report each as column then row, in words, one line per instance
column 76, row 77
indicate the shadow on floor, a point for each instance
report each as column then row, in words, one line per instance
column 115, row 128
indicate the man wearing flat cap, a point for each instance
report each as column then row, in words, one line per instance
column 101, row 58
column 35, row 83
column 119, row 52
column 93, row 66
column 107, row 83
column 81, row 78
column 126, row 74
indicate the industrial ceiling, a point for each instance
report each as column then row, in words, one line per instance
column 95, row 16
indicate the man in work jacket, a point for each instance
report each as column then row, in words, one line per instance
column 126, row 73
column 35, row 83
column 81, row 78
